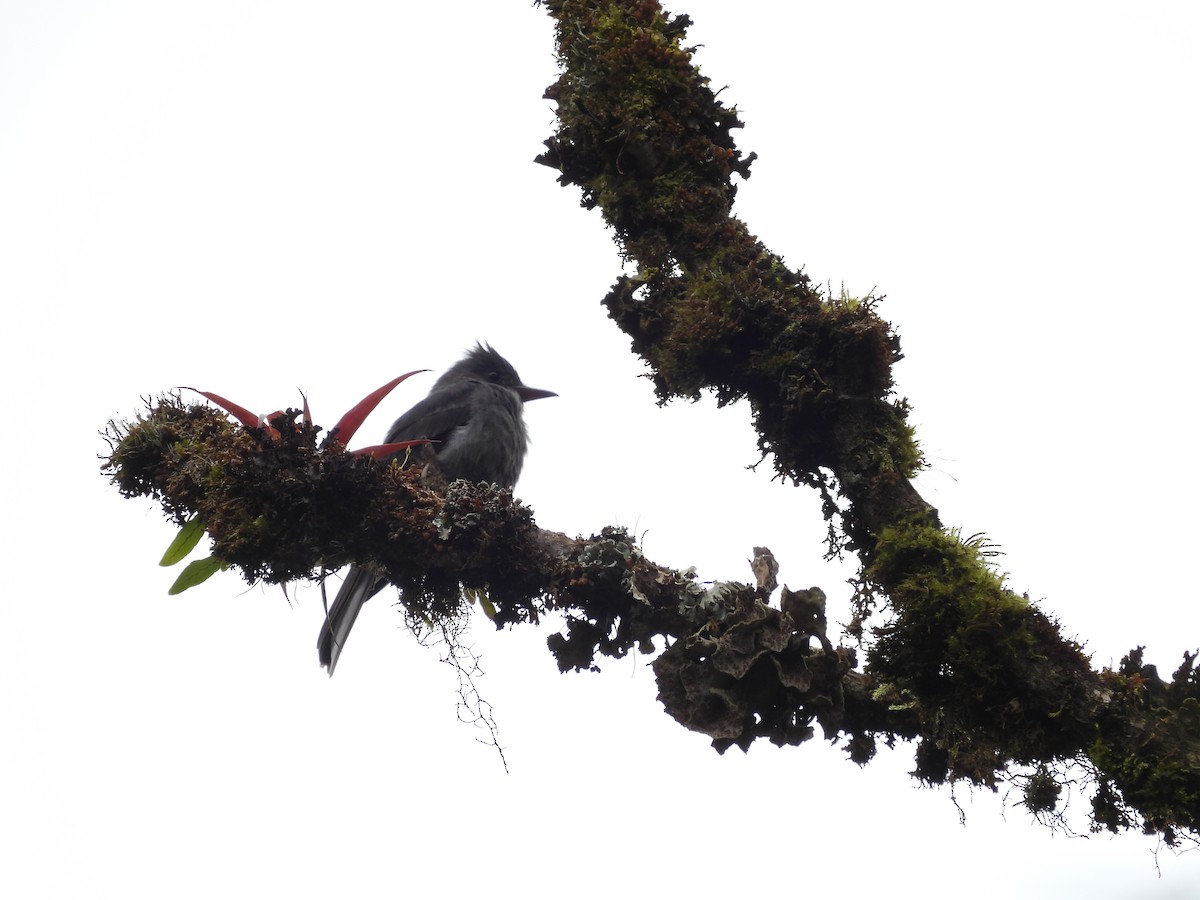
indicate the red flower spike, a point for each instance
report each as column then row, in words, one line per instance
column 346, row 427
column 382, row 451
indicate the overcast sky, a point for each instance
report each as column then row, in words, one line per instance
column 256, row 198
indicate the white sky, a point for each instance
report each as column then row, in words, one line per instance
column 257, row 197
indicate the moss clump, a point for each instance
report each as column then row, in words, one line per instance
column 1147, row 748
column 995, row 679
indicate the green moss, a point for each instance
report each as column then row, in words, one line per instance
column 924, row 564
column 996, row 681
column 1146, row 748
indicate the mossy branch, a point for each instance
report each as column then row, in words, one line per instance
column 981, row 679
column 991, row 680
column 279, row 504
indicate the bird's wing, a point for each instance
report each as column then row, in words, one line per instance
column 437, row 415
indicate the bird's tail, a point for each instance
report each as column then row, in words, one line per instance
column 359, row 587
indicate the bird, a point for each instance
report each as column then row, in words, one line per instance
column 473, row 419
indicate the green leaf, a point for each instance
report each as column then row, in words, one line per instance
column 480, row 596
column 486, row 605
column 185, row 542
column 197, row 572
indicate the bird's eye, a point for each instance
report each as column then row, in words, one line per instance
column 493, row 377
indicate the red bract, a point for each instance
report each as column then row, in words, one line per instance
column 342, row 432
column 243, row 415
column 383, row 451
column 348, row 424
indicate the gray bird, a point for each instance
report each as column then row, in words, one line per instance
column 473, row 417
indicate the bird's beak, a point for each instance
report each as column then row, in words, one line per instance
column 527, row 393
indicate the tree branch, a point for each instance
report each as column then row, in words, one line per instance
column 280, row 505
column 983, row 680
column 991, row 679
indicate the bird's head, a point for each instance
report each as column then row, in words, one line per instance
column 483, row 363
